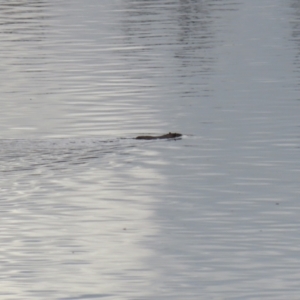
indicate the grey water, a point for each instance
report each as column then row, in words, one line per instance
column 87, row 211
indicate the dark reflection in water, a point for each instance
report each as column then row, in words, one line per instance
column 23, row 22
column 184, row 53
column 295, row 23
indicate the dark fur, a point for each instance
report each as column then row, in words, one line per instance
column 169, row 135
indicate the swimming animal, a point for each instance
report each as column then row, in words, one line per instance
column 170, row 135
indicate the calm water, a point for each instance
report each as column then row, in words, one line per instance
column 87, row 212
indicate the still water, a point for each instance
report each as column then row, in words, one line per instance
column 88, row 212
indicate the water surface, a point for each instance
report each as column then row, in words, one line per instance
column 87, row 211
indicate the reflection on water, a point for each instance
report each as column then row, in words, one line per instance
column 74, row 218
column 295, row 36
column 89, row 212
